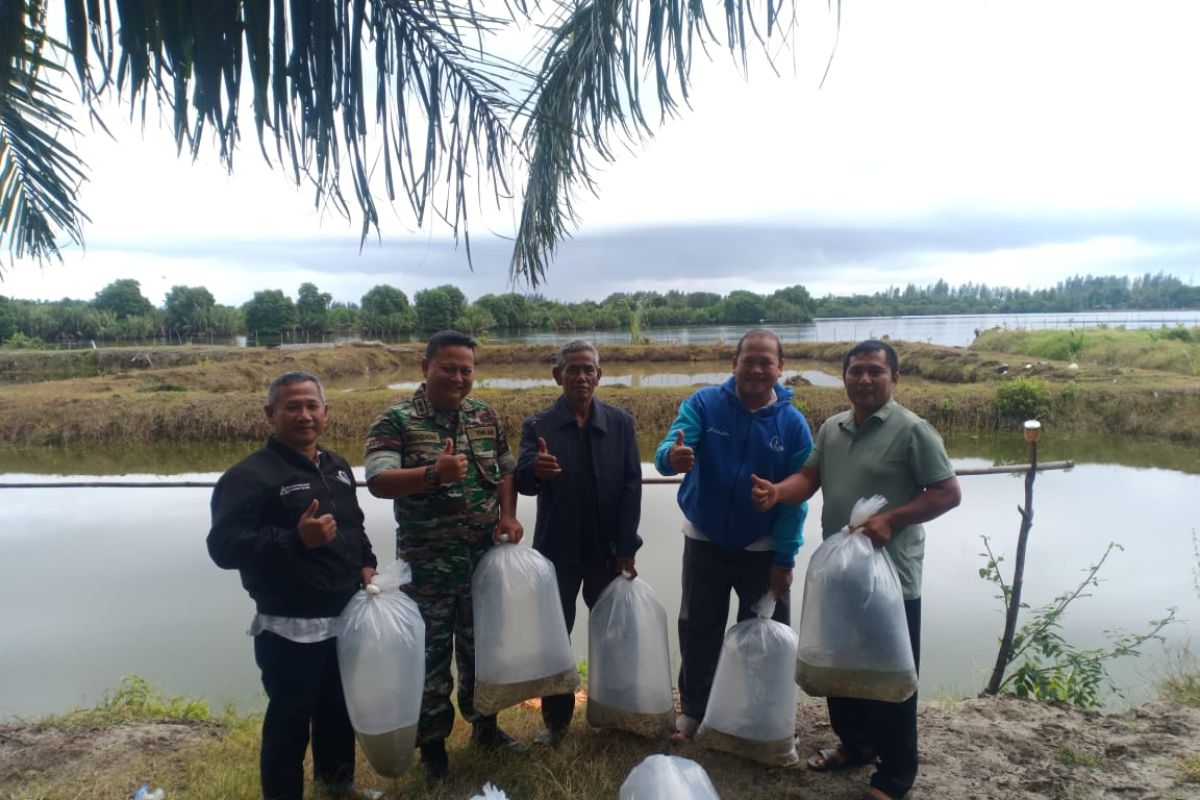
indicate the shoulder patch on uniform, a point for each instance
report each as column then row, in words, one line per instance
column 481, row 432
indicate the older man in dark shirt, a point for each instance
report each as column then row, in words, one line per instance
column 579, row 456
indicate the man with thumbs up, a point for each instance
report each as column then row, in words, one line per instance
column 580, row 457
column 443, row 458
column 287, row 518
column 722, row 437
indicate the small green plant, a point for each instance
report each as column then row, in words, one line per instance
column 1074, row 758
column 582, row 668
column 134, row 701
column 1022, row 398
column 1047, row 666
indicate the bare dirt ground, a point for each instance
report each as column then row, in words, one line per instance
column 993, row 749
column 30, row 754
column 1010, row 749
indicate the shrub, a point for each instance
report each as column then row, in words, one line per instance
column 1022, row 398
column 19, row 341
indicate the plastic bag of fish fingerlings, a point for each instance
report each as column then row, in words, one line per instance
column 381, row 655
column 853, row 633
column 521, row 645
column 662, row 777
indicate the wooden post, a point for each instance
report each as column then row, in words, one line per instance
column 1032, row 429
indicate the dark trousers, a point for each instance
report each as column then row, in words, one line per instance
column 304, row 691
column 449, row 633
column 888, row 730
column 708, row 574
column 557, row 710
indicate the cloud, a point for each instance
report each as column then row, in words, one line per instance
column 1000, row 250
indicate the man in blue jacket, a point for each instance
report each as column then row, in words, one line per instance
column 724, row 435
column 580, row 457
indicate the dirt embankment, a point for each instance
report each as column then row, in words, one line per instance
column 215, row 394
column 984, row 749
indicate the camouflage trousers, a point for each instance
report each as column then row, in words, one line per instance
column 449, row 629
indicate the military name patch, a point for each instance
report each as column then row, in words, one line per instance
column 422, row 437
column 482, row 432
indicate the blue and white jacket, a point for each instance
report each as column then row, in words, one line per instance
column 731, row 444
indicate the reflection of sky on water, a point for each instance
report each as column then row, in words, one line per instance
column 104, row 582
column 949, row 329
column 655, row 379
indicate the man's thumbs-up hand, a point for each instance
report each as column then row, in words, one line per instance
column 545, row 466
column 680, row 456
column 451, row 467
column 316, row 531
column 763, row 493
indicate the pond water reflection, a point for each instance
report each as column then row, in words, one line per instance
column 617, row 375
column 99, row 583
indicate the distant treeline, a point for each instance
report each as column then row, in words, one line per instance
column 120, row 312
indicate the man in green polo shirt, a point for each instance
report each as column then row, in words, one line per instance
column 876, row 447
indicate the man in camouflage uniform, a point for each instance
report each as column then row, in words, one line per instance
column 443, row 458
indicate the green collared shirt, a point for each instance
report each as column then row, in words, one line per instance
column 894, row 453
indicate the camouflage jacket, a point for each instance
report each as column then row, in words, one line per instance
column 442, row 534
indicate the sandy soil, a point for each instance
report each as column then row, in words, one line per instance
column 1009, row 749
column 995, row 749
column 28, row 754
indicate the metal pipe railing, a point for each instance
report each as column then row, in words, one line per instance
column 651, row 481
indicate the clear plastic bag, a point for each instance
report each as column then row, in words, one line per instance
column 521, row 645
column 490, row 792
column 752, row 706
column 853, row 632
column 629, row 663
column 381, row 654
column 662, row 777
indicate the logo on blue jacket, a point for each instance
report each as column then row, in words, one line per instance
column 776, row 444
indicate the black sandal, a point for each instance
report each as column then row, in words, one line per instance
column 835, row 759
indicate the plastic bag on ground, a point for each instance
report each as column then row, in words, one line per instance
column 853, row 632
column 629, row 666
column 752, row 706
column 490, row 792
column 521, row 645
column 662, row 777
column 381, row 654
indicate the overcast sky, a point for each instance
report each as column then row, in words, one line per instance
column 1012, row 143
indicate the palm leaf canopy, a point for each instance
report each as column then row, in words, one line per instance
column 451, row 119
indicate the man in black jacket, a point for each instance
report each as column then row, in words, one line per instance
column 287, row 518
column 580, row 457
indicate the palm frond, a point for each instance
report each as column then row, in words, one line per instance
column 39, row 175
column 589, row 96
column 442, row 108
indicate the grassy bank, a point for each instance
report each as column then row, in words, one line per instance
column 961, row 391
column 1174, row 349
column 971, row 748
column 33, row 366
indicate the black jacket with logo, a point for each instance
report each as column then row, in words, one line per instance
column 256, row 508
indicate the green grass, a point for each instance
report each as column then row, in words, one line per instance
column 1174, row 349
column 1182, row 685
column 1074, row 758
column 1189, row 766
column 133, row 701
column 194, row 755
